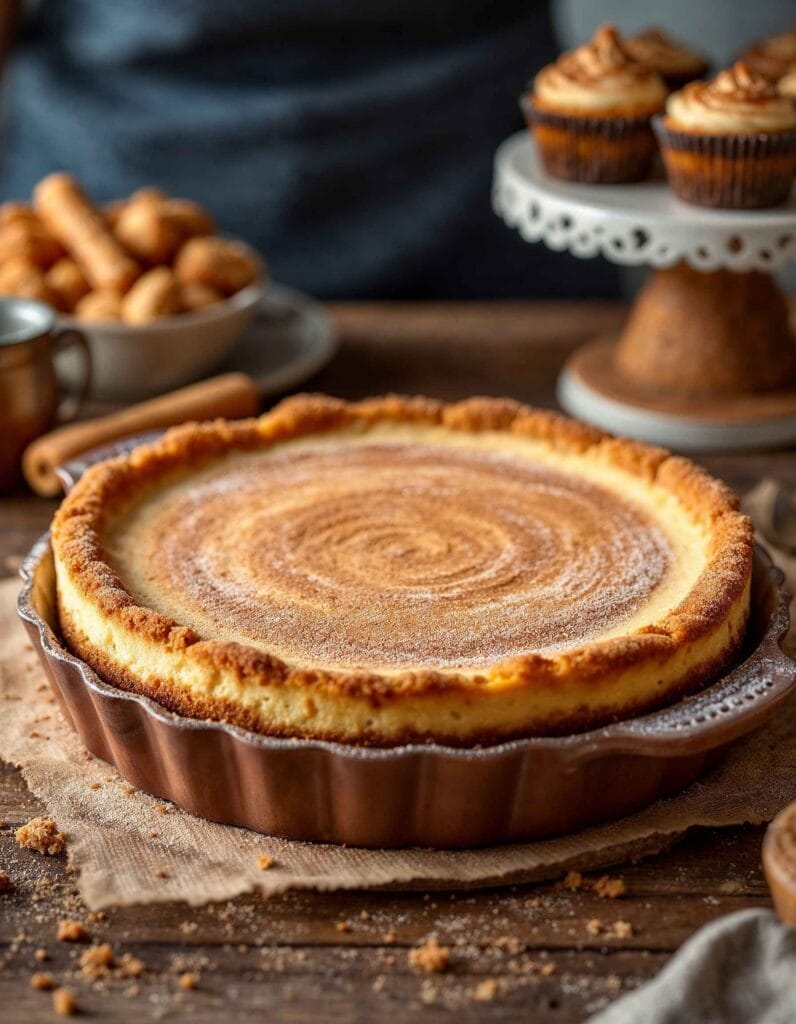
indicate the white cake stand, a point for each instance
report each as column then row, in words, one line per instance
column 645, row 224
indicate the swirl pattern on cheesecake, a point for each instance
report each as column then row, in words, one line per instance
column 392, row 556
column 402, row 570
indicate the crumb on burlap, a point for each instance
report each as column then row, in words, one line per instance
column 95, row 785
column 485, row 991
column 161, row 873
column 42, row 980
column 42, row 835
column 95, row 916
column 5, row 881
column 187, row 981
column 64, row 1003
column 623, row 930
column 265, row 861
column 609, row 888
column 430, row 957
column 594, row 927
column 162, row 808
column 71, row 931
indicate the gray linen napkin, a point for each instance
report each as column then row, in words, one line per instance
column 740, row 969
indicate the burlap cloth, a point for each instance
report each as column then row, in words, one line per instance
column 127, row 850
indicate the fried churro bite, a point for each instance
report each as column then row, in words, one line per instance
column 135, row 259
column 227, row 266
column 155, row 294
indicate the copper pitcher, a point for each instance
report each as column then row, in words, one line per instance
column 31, row 399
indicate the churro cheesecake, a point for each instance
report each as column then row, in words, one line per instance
column 402, row 570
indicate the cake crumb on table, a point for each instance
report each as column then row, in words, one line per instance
column 572, row 882
column 64, row 1003
column 96, row 961
column 41, row 954
column 188, row 980
column 594, row 927
column 609, row 888
column 430, row 957
column 42, row 835
column 623, row 930
column 71, row 931
column 342, row 926
column 485, row 991
column 265, row 861
column 42, row 980
column 5, row 881
column 129, row 966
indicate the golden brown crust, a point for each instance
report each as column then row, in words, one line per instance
column 79, row 523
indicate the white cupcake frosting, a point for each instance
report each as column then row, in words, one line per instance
column 738, row 101
column 599, row 76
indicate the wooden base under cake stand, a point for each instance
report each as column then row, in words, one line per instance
column 706, row 361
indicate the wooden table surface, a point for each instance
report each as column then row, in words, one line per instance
column 285, row 959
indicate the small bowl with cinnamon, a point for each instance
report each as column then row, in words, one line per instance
column 161, row 297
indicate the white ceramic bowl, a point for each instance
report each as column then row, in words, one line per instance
column 131, row 362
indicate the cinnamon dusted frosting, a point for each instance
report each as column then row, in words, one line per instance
column 736, row 102
column 400, row 569
column 599, row 77
column 656, row 49
column 772, row 56
column 787, row 84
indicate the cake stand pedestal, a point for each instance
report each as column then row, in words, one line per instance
column 707, row 359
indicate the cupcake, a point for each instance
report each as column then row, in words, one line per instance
column 590, row 113
column 675, row 62
column 731, row 142
column 772, row 57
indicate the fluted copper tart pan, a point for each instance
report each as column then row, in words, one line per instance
column 425, row 795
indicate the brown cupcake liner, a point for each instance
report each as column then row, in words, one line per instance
column 596, row 150
column 741, row 172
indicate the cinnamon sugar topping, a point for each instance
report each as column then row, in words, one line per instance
column 385, row 555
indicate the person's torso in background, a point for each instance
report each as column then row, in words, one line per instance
column 351, row 142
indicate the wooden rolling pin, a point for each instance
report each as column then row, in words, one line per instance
column 232, row 395
column 779, row 863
